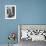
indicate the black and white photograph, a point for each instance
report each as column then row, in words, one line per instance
column 29, row 35
column 10, row 11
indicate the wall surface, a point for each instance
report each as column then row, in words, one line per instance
column 6, row 26
column 27, row 12
column 31, row 11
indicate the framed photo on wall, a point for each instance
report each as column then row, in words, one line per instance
column 10, row 11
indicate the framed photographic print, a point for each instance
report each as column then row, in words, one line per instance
column 10, row 11
column 31, row 32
